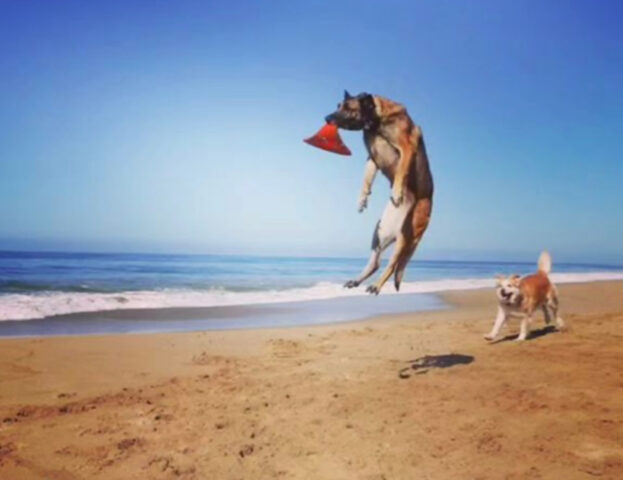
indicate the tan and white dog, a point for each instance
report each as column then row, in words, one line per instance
column 523, row 296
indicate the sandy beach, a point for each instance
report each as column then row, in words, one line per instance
column 409, row 396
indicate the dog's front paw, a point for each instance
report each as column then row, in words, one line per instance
column 520, row 339
column 351, row 284
column 489, row 337
column 396, row 197
column 373, row 290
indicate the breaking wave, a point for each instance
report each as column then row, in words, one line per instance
column 41, row 304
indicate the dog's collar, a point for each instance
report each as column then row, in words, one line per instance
column 372, row 120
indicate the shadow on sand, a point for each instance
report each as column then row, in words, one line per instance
column 422, row 365
column 534, row 334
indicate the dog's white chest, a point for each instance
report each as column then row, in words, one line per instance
column 384, row 155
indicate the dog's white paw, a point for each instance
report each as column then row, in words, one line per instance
column 397, row 197
column 363, row 203
column 489, row 337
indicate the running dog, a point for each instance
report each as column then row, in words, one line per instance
column 395, row 147
column 522, row 296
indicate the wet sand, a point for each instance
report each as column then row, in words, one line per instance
column 188, row 319
column 409, row 396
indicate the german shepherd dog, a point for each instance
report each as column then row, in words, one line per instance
column 395, row 147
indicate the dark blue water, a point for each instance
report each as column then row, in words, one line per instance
column 26, row 272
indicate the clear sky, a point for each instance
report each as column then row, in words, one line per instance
column 177, row 126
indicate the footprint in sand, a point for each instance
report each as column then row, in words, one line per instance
column 282, row 348
column 204, row 358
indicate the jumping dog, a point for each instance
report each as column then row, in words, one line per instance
column 395, row 147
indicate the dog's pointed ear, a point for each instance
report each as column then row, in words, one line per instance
column 347, row 95
column 515, row 280
column 499, row 279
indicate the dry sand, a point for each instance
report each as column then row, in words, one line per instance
column 418, row 396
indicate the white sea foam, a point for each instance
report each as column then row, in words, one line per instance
column 26, row 307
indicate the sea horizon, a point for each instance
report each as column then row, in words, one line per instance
column 511, row 259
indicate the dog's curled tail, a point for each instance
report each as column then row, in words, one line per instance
column 545, row 262
column 403, row 261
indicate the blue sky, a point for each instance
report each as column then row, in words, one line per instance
column 177, row 127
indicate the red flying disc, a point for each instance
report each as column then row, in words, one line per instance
column 328, row 139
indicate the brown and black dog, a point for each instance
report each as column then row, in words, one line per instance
column 396, row 147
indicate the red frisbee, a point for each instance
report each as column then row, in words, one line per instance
column 328, row 139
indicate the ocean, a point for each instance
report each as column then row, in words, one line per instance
column 43, row 284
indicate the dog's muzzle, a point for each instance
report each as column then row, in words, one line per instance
column 505, row 296
column 345, row 121
column 510, row 297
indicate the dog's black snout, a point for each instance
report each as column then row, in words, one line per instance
column 330, row 118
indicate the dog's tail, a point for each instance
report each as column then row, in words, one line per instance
column 403, row 261
column 545, row 263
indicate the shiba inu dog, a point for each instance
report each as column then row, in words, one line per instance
column 521, row 297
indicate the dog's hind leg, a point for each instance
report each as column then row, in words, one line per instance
column 415, row 226
column 552, row 305
column 403, row 220
column 385, row 233
column 391, row 266
column 381, row 239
